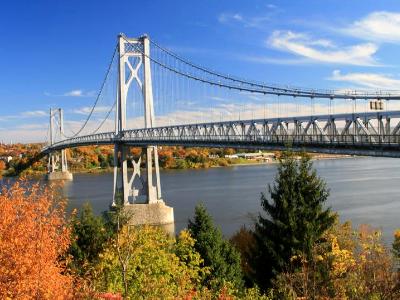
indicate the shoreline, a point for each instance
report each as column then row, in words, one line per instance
column 250, row 163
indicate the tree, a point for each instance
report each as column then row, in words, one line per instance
column 218, row 254
column 244, row 242
column 295, row 218
column 396, row 244
column 145, row 263
column 347, row 264
column 89, row 235
column 33, row 238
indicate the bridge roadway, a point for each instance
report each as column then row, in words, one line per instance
column 369, row 134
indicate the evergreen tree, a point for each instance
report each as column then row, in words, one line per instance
column 88, row 237
column 218, row 254
column 295, row 220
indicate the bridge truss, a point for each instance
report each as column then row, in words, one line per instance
column 362, row 134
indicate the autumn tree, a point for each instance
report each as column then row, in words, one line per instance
column 2, row 166
column 348, row 264
column 145, row 263
column 396, row 244
column 33, row 237
column 244, row 242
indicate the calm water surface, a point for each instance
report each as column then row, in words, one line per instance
column 363, row 190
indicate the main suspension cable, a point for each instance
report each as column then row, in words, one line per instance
column 106, row 117
column 265, row 89
column 97, row 98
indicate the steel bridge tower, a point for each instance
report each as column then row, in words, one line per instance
column 140, row 194
column 57, row 169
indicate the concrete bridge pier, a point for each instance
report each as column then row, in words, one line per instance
column 52, row 167
column 59, row 176
column 140, row 194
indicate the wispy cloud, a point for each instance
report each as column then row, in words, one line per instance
column 34, row 113
column 259, row 59
column 380, row 26
column 73, row 93
column 86, row 110
column 255, row 21
column 322, row 50
column 32, row 126
column 25, row 114
column 227, row 17
column 367, row 80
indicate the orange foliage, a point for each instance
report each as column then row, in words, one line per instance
column 2, row 165
column 33, row 237
column 136, row 151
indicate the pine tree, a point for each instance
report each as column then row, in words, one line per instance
column 218, row 254
column 88, row 238
column 295, row 218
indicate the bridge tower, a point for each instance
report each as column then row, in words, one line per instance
column 57, row 167
column 139, row 193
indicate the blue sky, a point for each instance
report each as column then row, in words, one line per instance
column 55, row 53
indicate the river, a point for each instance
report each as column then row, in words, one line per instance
column 363, row 190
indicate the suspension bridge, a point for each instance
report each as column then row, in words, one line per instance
column 197, row 106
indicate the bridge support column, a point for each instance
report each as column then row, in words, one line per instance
column 57, row 169
column 140, row 195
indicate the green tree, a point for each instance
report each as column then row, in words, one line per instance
column 145, row 263
column 88, row 238
column 219, row 255
column 295, row 218
column 103, row 161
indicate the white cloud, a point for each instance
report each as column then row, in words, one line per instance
column 322, row 50
column 380, row 26
column 32, row 126
column 367, row 80
column 273, row 60
column 248, row 21
column 226, row 17
column 34, row 113
column 73, row 93
column 25, row 114
column 86, row 110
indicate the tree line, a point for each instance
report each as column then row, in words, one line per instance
column 92, row 158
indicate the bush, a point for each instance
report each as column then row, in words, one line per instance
column 33, row 237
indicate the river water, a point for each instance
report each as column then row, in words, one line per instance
column 363, row 190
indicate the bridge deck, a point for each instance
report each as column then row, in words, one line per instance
column 358, row 134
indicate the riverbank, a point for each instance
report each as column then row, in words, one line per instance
column 211, row 163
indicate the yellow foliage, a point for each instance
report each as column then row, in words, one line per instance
column 342, row 259
column 145, row 263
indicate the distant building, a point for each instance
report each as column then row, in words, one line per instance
column 7, row 159
column 265, row 156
